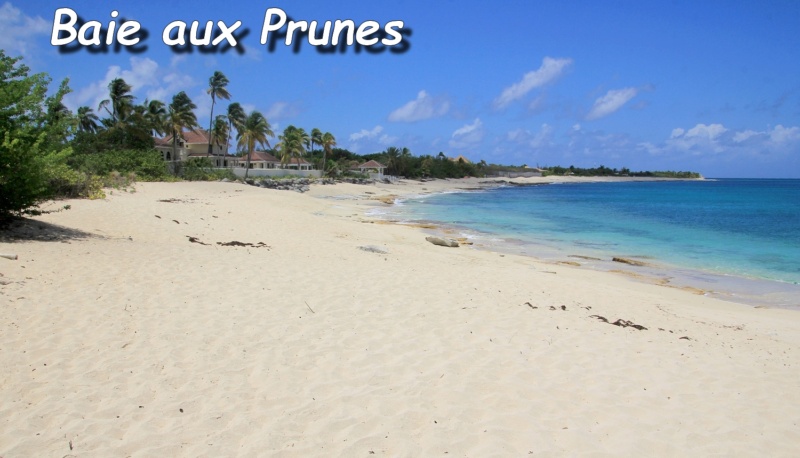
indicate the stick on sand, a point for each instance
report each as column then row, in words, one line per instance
column 12, row 257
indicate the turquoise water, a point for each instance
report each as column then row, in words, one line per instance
column 742, row 227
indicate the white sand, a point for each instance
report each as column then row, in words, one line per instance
column 121, row 338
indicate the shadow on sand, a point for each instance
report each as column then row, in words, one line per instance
column 29, row 230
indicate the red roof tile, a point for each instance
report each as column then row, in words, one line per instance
column 260, row 156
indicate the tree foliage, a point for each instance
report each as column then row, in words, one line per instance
column 33, row 144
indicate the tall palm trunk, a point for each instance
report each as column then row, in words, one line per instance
column 210, row 125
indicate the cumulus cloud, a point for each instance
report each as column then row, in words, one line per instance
column 710, row 131
column 18, row 30
column 702, row 138
column 366, row 134
column 147, row 79
column 467, row 135
column 612, row 101
column 716, row 138
column 423, row 107
column 550, row 70
column 783, row 135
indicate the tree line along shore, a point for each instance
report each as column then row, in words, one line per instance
column 49, row 152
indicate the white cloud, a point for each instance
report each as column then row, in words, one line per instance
column 467, row 135
column 550, row 70
column 282, row 110
column 423, row 107
column 146, row 78
column 744, row 135
column 366, row 134
column 710, row 131
column 612, row 101
column 702, row 138
column 18, row 30
column 716, row 138
column 783, row 135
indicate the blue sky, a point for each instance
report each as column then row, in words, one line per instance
column 711, row 86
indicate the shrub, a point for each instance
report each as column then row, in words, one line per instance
column 147, row 165
column 33, row 133
column 202, row 169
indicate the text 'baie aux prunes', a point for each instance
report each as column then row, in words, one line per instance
column 72, row 33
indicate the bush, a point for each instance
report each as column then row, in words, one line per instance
column 146, row 165
column 33, row 132
column 202, row 169
column 66, row 182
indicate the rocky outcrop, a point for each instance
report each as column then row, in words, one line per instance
column 630, row 262
column 291, row 184
column 442, row 241
column 301, row 184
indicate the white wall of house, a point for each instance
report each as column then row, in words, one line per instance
column 277, row 173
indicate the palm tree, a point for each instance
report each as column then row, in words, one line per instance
column 180, row 115
column 316, row 138
column 219, row 132
column 120, row 99
column 291, row 145
column 217, row 89
column 405, row 156
column 393, row 162
column 154, row 114
column 236, row 117
column 255, row 129
column 87, row 120
column 328, row 141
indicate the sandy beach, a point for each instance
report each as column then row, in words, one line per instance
column 220, row 319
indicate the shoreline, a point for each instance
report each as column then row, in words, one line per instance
column 743, row 289
column 193, row 318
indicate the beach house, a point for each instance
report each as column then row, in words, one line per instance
column 194, row 143
column 259, row 160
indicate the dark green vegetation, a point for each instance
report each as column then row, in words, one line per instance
column 603, row 171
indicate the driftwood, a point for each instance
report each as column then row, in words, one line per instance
column 620, row 322
column 244, row 244
column 12, row 257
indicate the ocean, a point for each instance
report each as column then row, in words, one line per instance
column 737, row 238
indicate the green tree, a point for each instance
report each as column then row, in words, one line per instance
column 220, row 133
column 316, row 138
column 254, row 130
column 120, row 99
column 87, row 120
column 217, row 88
column 33, row 129
column 290, row 145
column 236, row 117
column 393, row 160
column 328, row 141
column 155, row 116
column 180, row 115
